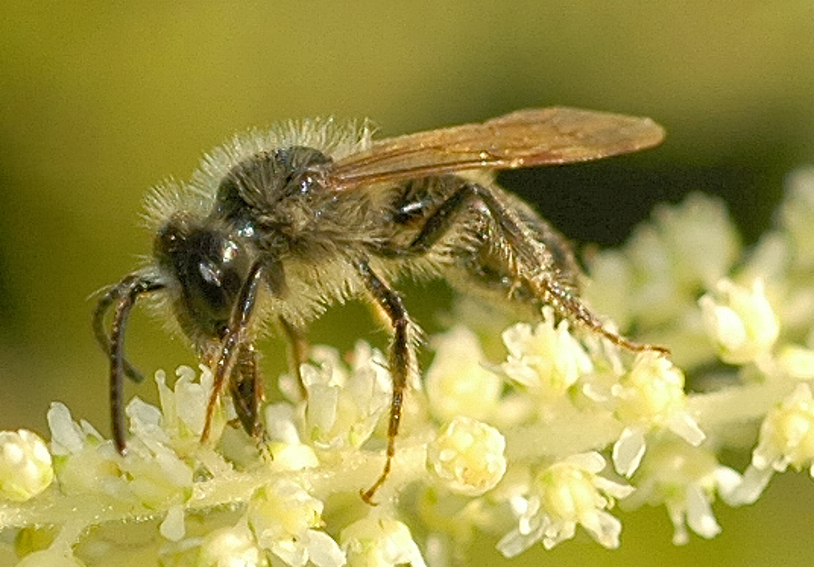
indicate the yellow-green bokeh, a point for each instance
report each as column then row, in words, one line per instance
column 100, row 100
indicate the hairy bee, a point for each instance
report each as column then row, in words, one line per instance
column 276, row 227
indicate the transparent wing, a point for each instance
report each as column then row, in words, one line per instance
column 524, row 138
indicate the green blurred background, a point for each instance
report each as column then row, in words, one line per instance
column 100, row 100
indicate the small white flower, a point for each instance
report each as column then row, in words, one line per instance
column 740, row 321
column 231, row 547
column 283, row 516
column 652, row 394
column 654, row 388
column 67, row 436
column 468, row 456
column 685, row 479
column 380, row 541
column 156, row 476
column 25, row 465
column 565, row 494
column 287, row 452
column 545, row 359
column 84, row 462
column 146, row 421
column 344, row 407
column 700, row 222
column 787, row 434
column 457, row 382
column 282, row 510
column 183, row 407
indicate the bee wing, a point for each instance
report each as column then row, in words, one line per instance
column 524, row 138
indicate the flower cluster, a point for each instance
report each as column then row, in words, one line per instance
column 528, row 446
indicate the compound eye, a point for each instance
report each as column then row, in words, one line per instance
column 210, row 268
column 219, row 275
column 213, row 284
column 219, row 269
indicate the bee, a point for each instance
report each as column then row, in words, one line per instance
column 276, row 227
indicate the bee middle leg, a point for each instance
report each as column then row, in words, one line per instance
column 231, row 359
column 401, row 363
column 297, row 351
column 246, row 388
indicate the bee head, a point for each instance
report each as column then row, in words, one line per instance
column 209, row 264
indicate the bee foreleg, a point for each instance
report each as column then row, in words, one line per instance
column 234, row 340
column 401, row 360
column 121, row 297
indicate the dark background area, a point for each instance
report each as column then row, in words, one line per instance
column 99, row 101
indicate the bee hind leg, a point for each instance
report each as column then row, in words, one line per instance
column 532, row 262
